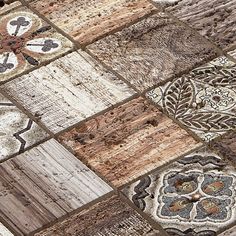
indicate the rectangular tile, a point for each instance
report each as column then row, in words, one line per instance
column 203, row 100
column 128, row 141
column 43, row 184
column 4, row 231
column 26, row 42
column 192, row 196
column 152, row 50
column 88, row 20
column 68, row 90
column 110, row 217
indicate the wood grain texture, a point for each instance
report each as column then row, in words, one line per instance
column 214, row 19
column 4, row 231
column 152, row 50
column 111, row 217
column 44, row 184
column 68, row 90
column 86, row 20
column 128, row 141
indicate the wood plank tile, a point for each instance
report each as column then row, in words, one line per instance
column 152, row 50
column 128, row 141
column 68, row 90
column 110, row 217
column 43, row 184
column 88, row 20
column 4, row 231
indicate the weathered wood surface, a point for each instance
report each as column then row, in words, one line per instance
column 43, row 184
column 87, row 20
column 128, row 141
column 68, row 90
column 4, row 231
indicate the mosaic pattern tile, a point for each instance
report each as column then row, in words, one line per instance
column 214, row 19
column 61, row 94
column 43, row 184
column 111, row 217
column 203, row 100
column 128, row 141
column 193, row 195
column 17, row 131
column 88, row 20
column 4, row 231
column 26, row 41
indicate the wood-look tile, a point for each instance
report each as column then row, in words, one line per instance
column 26, row 41
column 203, row 100
column 110, row 217
column 43, row 184
column 128, row 141
column 4, row 231
column 88, row 20
column 68, row 90
column 152, row 50
column 17, row 131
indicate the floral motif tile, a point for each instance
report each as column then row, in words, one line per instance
column 204, row 100
column 26, row 41
column 17, row 131
column 193, row 196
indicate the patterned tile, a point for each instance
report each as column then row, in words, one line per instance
column 152, row 50
column 17, row 131
column 44, row 184
column 88, row 20
column 68, row 90
column 26, row 41
column 203, row 100
column 128, row 141
column 233, row 53
column 110, row 217
column 193, row 196
column 4, row 231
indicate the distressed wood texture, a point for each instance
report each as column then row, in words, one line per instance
column 214, row 19
column 68, row 90
column 111, row 217
column 87, row 20
column 43, row 184
column 4, row 231
column 152, row 50
column 128, row 141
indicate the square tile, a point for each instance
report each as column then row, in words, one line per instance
column 68, row 90
column 128, row 141
column 214, row 19
column 26, row 41
column 152, row 50
column 193, row 196
column 17, row 131
column 4, row 231
column 44, row 184
column 203, row 100
column 87, row 20
column 110, row 217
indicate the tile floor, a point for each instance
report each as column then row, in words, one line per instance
column 117, row 118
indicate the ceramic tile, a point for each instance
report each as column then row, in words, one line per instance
column 233, row 54
column 8, row 6
column 203, row 100
column 44, row 184
column 110, row 217
column 152, row 50
column 61, row 94
column 229, row 232
column 128, row 141
column 27, row 41
column 4, row 231
column 88, row 20
column 17, row 131
column 193, row 196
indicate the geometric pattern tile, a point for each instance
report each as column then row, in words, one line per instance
column 152, row 50
column 204, row 100
column 68, row 90
column 193, row 196
column 26, row 41
column 110, row 217
column 88, row 20
column 4, row 231
column 44, row 184
column 128, row 141
column 17, row 131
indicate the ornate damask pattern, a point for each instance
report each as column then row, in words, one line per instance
column 194, row 196
column 203, row 100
